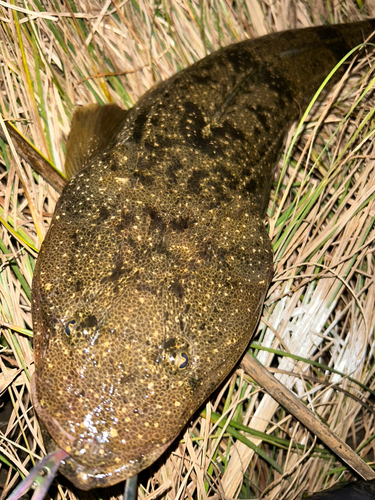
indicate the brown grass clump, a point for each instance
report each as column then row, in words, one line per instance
column 316, row 334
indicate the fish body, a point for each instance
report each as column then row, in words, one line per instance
column 151, row 279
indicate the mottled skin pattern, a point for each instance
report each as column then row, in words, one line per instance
column 152, row 277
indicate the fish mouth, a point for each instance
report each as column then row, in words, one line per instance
column 86, row 478
column 104, row 470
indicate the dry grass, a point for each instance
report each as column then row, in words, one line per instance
column 317, row 330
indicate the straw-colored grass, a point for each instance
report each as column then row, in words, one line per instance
column 317, row 331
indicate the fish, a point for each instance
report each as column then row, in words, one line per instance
column 151, row 279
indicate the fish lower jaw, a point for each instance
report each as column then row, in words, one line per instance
column 86, row 478
column 96, row 465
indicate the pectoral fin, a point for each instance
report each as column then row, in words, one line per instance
column 93, row 128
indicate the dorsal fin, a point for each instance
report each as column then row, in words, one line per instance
column 93, row 128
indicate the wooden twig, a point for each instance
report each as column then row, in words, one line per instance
column 40, row 164
column 294, row 406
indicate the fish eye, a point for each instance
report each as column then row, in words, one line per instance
column 182, row 360
column 69, row 327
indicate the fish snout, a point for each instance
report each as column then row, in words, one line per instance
column 85, row 471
